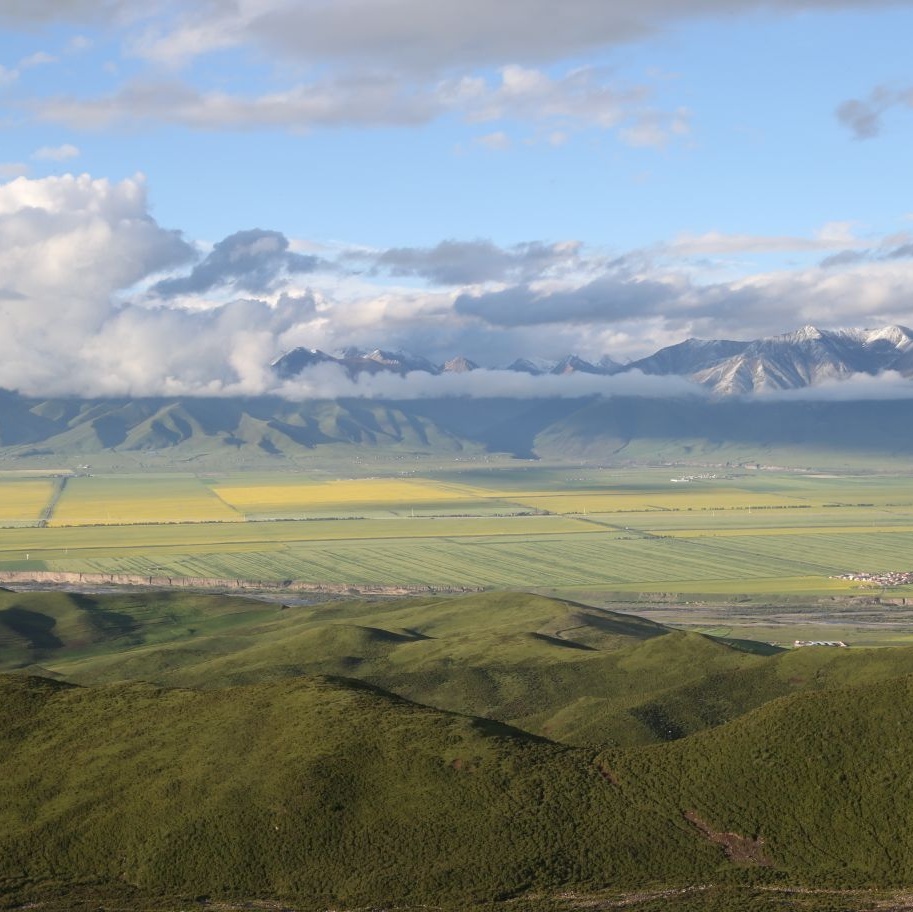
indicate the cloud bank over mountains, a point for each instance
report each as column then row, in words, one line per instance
column 97, row 298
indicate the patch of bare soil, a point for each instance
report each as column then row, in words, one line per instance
column 902, row 902
column 744, row 850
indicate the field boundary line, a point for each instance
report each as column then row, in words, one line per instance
column 54, row 499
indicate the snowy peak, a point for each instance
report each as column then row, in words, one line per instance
column 898, row 336
column 689, row 356
column 808, row 357
column 573, row 364
column 458, row 365
column 806, row 334
column 401, row 362
column 793, row 360
column 295, row 361
column 530, row 366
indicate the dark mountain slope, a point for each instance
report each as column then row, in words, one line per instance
column 324, row 793
column 269, row 431
column 318, row 791
column 823, row 782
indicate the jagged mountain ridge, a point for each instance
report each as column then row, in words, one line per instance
column 806, row 357
column 809, row 357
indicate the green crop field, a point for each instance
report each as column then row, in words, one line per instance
column 548, row 527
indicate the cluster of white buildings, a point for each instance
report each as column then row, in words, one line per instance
column 888, row 578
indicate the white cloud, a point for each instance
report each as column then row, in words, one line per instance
column 83, row 310
column 9, row 170
column 495, row 142
column 831, row 236
column 39, row 58
column 331, row 381
column 882, row 387
column 56, row 153
column 67, row 245
column 442, row 36
column 656, row 129
column 581, row 98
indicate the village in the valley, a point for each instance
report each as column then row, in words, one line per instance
column 885, row 579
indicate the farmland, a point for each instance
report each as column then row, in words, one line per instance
column 22, row 499
column 548, row 527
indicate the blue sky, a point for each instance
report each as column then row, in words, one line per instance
column 493, row 180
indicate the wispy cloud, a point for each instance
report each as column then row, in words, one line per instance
column 583, row 98
column 56, row 153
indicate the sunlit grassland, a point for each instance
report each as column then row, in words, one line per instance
column 543, row 560
column 126, row 499
column 614, row 529
column 22, row 499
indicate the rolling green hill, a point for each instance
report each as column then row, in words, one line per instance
column 579, row 675
column 821, row 782
column 310, row 789
column 320, row 792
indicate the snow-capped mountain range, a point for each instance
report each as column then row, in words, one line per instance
column 793, row 360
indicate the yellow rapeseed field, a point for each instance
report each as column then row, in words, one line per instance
column 675, row 498
column 126, row 499
column 23, row 499
column 348, row 493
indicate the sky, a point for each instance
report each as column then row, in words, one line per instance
column 189, row 189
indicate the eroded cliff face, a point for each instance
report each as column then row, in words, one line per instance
column 62, row 578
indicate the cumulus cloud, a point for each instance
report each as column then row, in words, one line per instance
column 13, row 169
column 67, row 245
column 252, row 261
column 97, row 298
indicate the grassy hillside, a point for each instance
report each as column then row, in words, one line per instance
column 323, row 793
column 820, row 784
column 570, row 672
column 578, row 675
column 309, row 788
